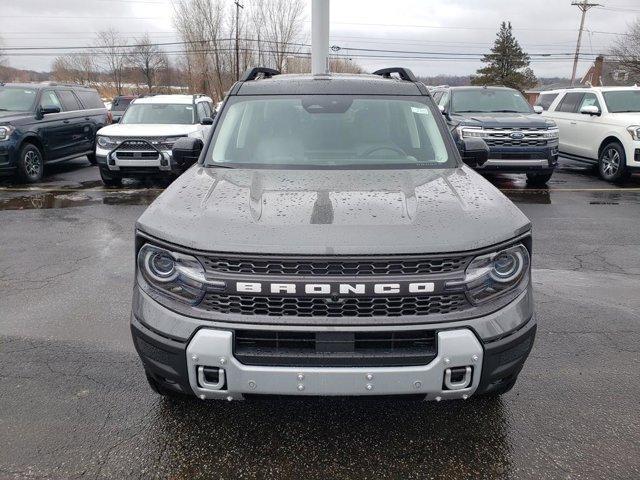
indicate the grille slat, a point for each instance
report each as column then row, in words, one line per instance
column 323, row 307
column 338, row 267
column 256, row 347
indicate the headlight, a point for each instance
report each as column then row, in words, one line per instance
column 551, row 133
column 469, row 132
column 495, row 274
column 107, row 142
column 634, row 131
column 5, row 132
column 173, row 274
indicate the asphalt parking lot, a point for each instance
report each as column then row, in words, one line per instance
column 74, row 401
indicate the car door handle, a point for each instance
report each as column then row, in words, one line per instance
column 65, row 121
column 574, row 123
column 87, row 118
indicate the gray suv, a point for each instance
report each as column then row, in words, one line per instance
column 329, row 240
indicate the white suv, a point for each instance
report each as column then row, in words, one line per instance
column 599, row 126
column 140, row 145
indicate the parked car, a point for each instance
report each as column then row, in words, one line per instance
column 545, row 99
column 330, row 241
column 519, row 140
column 140, row 144
column 600, row 126
column 119, row 104
column 47, row 123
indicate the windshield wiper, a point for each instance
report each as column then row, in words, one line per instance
column 508, row 111
column 4, row 109
column 218, row 165
column 469, row 111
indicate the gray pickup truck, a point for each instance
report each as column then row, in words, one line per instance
column 329, row 240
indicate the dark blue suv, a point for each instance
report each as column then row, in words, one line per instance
column 46, row 123
column 519, row 140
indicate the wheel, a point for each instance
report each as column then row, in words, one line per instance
column 538, row 179
column 109, row 179
column 612, row 164
column 92, row 159
column 161, row 390
column 30, row 164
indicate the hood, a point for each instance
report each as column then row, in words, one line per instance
column 504, row 120
column 332, row 212
column 151, row 130
column 8, row 117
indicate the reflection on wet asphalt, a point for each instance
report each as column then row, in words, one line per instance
column 74, row 401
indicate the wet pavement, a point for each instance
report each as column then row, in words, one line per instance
column 74, row 401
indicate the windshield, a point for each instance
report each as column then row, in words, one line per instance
column 622, row 101
column 159, row 113
column 488, row 101
column 15, row 99
column 329, row 131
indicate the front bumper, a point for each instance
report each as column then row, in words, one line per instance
column 178, row 364
column 521, row 160
column 137, row 162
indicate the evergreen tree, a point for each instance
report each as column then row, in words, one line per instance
column 507, row 64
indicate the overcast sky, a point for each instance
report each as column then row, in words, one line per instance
column 450, row 26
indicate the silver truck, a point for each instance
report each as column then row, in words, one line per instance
column 330, row 240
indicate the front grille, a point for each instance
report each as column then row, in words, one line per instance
column 509, row 142
column 137, row 155
column 333, row 266
column 326, row 307
column 335, row 349
column 499, row 137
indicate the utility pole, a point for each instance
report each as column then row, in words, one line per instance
column 320, row 37
column 584, row 5
column 238, row 7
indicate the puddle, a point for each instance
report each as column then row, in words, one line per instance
column 59, row 199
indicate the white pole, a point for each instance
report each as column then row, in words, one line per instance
column 320, row 37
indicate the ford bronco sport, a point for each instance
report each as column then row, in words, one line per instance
column 330, row 241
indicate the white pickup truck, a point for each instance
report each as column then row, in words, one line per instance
column 140, row 144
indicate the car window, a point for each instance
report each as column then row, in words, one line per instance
column 90, row 99
column 200, row 109
column 437, row 96
column 49, row 99
column 444, row 99
column 329, row 131
column 589, row 100
column 488, row 100
column 545, row 100
column 69, row 100
column 159, row 113
column 569, row 102
column 619, row 101
column 14, row 99
column 120, row 104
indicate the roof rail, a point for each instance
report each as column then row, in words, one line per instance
column 405, row 73
column 252, row 73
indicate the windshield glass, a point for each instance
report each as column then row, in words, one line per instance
column 488, row 101
column 329, row 131
column 14, row 99
column 622, row 101
column 158, row 113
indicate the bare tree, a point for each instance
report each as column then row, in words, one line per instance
column 282, row 23
column 148, row 60
column 112, row 56
column 76, row 67
column 626, row 50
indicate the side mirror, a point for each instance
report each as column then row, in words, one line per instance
column 538, row 109
column 590, row 110
column 442, row 109
column 45, row 109
column 474, row 151
column 186, row 151
column 207, row 121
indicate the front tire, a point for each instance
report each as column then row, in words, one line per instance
column 109, row 179
column 30, row 164
column 612, row 164
column 538, row 179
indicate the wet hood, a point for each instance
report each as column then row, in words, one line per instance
column 332, row 212
column 504, row 120
column 11, row 117
column 150, row 130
